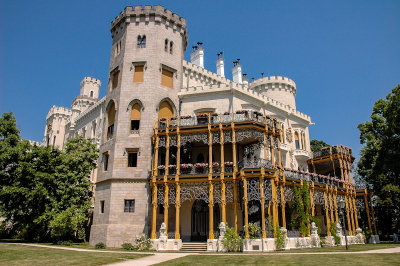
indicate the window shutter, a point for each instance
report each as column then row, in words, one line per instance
column 135, row 113
column 165, row 110
column 167, row 78
column 138, row 76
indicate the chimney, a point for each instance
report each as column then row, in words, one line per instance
column 197, row 56
column 245, row 80
column 237, row 72
column 220, row 65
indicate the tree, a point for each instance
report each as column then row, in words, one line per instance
column 41, row 186
column 379, row 164
column 317, row 145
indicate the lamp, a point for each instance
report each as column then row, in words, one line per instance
column 342, row 204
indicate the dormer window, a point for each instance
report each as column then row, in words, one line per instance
column 141, row 41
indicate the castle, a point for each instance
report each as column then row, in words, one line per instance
column 184, row 149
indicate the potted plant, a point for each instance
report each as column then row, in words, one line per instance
column 186, row 168
column 228, row 167
column 161, row 170
column 215, row 166
column 202, row 118
column 172, row 169
column 201, row 167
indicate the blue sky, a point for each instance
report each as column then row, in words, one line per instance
column 343, row 55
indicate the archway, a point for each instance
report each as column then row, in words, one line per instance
column 200, row 220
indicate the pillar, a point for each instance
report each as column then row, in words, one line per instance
column 262, row 201
column 246, row 212
column 211, row 210
column 328, row 222
column 367, row 210
column 154, row 212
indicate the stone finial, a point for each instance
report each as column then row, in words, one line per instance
column 339, row 230
column 163, row 230
column 222, row 229
column 358, row 230
column 314, row 229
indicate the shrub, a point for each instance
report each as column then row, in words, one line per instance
column 128, row 246
column 65, row 243
column 100, row 245
column 143, row 243
column 232, row 241
column 280, row 239
column 253, row 229
column 323, row 241
column 333, row 233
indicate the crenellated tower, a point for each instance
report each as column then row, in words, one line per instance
column 145, row 76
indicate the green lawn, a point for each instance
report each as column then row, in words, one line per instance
column 352, row 248
column 345, row 259
column 14, row 254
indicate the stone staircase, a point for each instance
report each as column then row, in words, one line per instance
column 193, row 247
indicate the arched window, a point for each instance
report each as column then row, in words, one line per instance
column 141, row 41
column 135, row 118
column 166, row 45
column 111, row 119
column 296, row 139
column 165, row 110
column 171, row 45
column 91, row 94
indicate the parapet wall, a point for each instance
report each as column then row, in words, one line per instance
column 90, row 80
column 58, row 110
column 146, row 14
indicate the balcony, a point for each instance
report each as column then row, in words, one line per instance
column 284, row 147
column 202, row 119
column 302, row 154
column 311, row 177
column 195, row 169
column 255, row 164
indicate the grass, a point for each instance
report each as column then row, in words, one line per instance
column 332, row 259
column 14, row 254
column 352, row 248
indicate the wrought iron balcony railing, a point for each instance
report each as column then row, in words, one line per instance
column 316, row 178
column 255, row 164
column 205, row 119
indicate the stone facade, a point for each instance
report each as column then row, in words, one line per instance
column 194, row 89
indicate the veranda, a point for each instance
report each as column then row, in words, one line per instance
column 238, row 177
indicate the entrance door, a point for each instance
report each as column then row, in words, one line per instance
column 200, row 220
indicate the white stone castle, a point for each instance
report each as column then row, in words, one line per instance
column 153, row 127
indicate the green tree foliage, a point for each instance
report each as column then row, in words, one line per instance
column 44, row 192
column 379, row 164
column 317, row 145
column 232, row 241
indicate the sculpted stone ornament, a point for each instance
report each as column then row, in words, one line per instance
column 163, row 229
column 222, row 230
column 339, row 230
column 314, row 229
column 289, row 135
column 163, row 237
column 315, row 240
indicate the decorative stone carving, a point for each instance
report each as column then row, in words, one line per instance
column 315, row 240
column 289, row 135
column 314, row 229
column 163, row 229
column 339, row 230
column 222, row 230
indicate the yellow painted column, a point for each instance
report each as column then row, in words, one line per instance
column 367, row 209
column 154, row 212
column 262, row 201
column 211, row 210
column 274, row 205
column 348, row 214
column 166, row 205
column 283, row 203
column 331, row 203
column 312, row 199
column 235, row 187
column 355, row 207
column 246, row 212
column 222, row 175
column 177, row 183
column 328, row 222
column 336, row 207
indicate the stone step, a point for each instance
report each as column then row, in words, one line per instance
column 194, row 247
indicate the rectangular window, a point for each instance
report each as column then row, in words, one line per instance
column 167, row 78
column 138, row 75
column 135, row 125
column 102, row 206
column 129, row 206
column 115, row 79
column 132, row 159
column 105, row 158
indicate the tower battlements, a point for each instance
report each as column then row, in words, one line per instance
column 54, row 110
column 273, row 79
column 90, row 80
column 157, row 14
